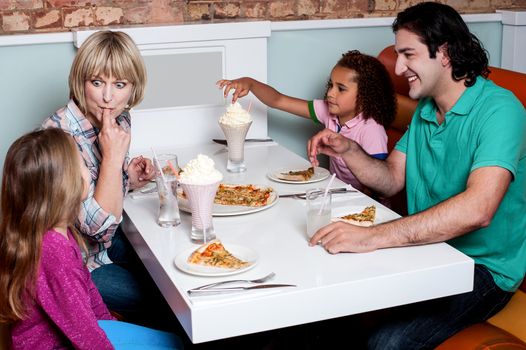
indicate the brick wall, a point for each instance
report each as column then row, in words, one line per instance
column 37, row 16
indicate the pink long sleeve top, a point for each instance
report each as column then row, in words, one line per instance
column 66, row 306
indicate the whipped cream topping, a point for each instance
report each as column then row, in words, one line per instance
column 235, row 115
column 200, row 171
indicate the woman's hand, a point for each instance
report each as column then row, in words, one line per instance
column 140, row 172
column 114, row 142
column 241, row 87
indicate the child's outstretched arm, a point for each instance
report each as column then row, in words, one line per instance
column 266, row 94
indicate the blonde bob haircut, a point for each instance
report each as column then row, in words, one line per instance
column 111, row 54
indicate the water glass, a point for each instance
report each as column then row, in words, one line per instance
column 167, row 189
column 319, row 209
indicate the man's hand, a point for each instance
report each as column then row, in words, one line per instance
column 327, row 142
column 140, row 172
column 241, row 87
column 340, row 237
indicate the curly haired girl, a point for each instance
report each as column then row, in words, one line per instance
column 359, row 103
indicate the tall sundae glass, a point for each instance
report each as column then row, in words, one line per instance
column 200, row 180
column 235, row 124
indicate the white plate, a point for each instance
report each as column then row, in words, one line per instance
column 320, row 174
column 241, row 252
column 230, row 210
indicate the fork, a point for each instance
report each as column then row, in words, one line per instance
column 255, row 281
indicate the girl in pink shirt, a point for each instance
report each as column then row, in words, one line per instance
column 46, row 292
column 359, row 103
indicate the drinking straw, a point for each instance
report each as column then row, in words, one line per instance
column 249, row 106
column 326, row 192
column 156, row 162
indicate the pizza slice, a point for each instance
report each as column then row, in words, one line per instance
column 364, row 218
column 214, row 254
column 298, row 175
column 240, row 195
column 243, row 195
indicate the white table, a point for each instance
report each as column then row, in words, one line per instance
column 329, row 286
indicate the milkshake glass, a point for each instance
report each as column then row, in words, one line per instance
column 235, row 124
column 199, row 181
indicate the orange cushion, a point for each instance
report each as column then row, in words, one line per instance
column 482, row 336
column 513, row 317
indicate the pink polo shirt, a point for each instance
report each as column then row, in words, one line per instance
column 370, row 135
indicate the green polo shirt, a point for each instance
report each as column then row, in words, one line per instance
column 486, row 127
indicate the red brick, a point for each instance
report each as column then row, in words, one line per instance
column 254, row 9
column 136, row 15
column 21, row 4
column 281, row 9
column 385, row 5
column 47, row 19
column 198, row 11
column 17, row 21
column 161, row 12
column 308, row 7
column 334, row 8
column 74, row 3
column 128, row 4
column 108, row 15
column 78, row 17
column 359, row 5
column 227, row 10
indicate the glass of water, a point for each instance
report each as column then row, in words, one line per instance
column 319, row 209
column 167, row 190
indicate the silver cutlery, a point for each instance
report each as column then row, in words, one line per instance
column 258, row 280
column 303, row 194
column 208, row 291
column 223, row 141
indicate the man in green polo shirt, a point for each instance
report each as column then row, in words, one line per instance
column 463, row 163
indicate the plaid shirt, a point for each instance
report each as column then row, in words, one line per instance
column 97, row 225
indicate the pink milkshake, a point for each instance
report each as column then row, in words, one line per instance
column 200, row 180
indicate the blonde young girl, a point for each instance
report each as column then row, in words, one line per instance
column 359, row 102
column 46, row 292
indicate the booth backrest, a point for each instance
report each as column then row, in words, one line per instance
column 513, row 81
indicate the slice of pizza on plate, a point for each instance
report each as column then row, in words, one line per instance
column 297, row 175
column 240, row 195
column 244, row 195
column 214, row 254
column 365, row 218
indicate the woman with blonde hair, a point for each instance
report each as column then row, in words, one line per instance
column 107, row 78
column 46, row 292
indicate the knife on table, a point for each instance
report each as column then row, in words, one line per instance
column 236, row 289
column 223, row 141
column 302, row 194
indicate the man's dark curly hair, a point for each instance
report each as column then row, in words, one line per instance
column 438, row 24
column 376, row 96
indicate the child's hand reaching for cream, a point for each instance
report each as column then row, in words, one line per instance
column 240, row 86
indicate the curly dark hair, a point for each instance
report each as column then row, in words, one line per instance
column 438, row 24
column 376, row 96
